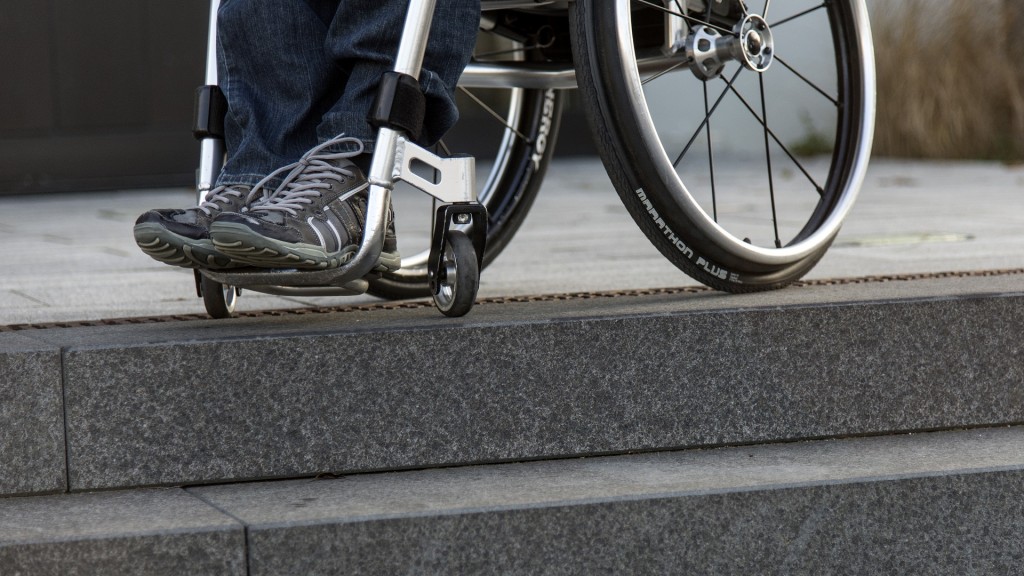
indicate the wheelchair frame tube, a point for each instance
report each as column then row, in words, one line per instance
column 409, row 60
column 211, row 150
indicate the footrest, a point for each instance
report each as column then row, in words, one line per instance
column 332, row 282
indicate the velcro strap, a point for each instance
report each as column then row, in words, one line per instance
column 400, row 104
column 210, row 109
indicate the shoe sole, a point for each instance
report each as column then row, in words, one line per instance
column 242, row 244
column 165, row 246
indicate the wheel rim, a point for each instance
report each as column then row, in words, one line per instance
column 230, row 297
column 669, row 146
column 219, row 299
column 448, row 283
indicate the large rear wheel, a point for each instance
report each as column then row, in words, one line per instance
column 736, row 133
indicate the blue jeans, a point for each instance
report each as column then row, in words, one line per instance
column 297, row 73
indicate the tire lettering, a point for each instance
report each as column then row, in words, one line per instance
column 547, row 114
column 717, row 272
column 663, row 226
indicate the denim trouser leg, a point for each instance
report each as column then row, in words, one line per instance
column 278, row 82
column 363, row 39
column 299, row 72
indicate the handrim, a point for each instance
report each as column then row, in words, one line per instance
column 806, row 245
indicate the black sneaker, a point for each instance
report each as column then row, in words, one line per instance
column 182, row 237
column 314, row 220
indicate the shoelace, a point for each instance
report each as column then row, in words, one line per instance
column 218, row 198
column 308, row 178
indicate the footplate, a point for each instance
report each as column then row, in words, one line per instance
column 453, row 184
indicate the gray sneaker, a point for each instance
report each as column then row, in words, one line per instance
column 182, row 237
column 314, row 220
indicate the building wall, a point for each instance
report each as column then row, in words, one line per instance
column 98, row 93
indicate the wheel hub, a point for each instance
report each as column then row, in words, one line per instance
column 751, row 43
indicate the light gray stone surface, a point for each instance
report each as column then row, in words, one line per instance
column 143, row 532
column 32, row 452
column 72, row 257
column 405, row 389
column 939, row 525
column 933, row 503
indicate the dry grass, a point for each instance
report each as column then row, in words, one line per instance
column 949, row 85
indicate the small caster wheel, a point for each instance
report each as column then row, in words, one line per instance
column 219, row 299
column 459, row 277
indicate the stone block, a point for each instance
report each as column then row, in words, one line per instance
column 203, row 404
column 32, row 456
column 919, row 504
column 142, row 532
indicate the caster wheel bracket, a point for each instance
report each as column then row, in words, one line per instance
column 471, row 218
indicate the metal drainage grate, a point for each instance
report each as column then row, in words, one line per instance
column 417, row 304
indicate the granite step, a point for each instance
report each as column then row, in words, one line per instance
column 211, row 402
column 931, row 503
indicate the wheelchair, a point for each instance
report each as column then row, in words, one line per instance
column 676, row 92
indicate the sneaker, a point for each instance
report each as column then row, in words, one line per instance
column 182, row 237
column 314, row 220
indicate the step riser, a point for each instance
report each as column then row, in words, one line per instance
column 131, row 532
column 944, row 503
column 227, row 409
column 953, row 525
column 213, row 554
column 31, row 417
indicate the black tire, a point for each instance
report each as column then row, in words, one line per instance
column 218, row 298
column 459, row 277
column 693, row 228
column 523, row 151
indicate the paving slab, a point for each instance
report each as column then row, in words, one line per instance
column 71, row 257
column 274, row 397
column 928, row 503
column 922, row 503
column 32, row 454
column 141, row 532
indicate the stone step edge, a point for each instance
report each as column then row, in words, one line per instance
column 946, row 502
column 892, row 366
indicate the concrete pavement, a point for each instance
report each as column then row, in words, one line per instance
column 264, row 444
column 71, row 257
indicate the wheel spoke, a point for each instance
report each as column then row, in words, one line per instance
column 494, row 114
column 799, row 15
column 768, row 158
column 707, row 116
column 684, row 16
column 820, row 90
column 769, row 131
column 671, row 68
column 711, row 155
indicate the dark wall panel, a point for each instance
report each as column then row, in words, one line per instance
column 26, row 98
column 98, row 94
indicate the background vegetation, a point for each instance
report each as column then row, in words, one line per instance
column 950, row 78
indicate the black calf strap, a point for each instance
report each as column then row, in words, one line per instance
column 210, row 109
column 400, row 105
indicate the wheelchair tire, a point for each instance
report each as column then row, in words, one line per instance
column 743, row 221
column 459, row 278
column 219, row 299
